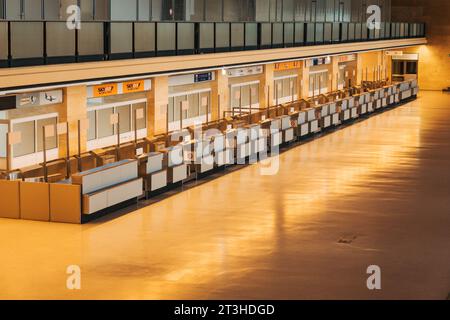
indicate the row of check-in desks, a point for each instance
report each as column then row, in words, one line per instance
column 192, row 155
column 247, row 143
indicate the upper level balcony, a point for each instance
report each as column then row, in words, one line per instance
column 30, row 43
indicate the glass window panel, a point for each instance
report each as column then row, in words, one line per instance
column 206, row 35
column 123, row 10
column 27, row 39
column 105, row 128
column 195, row 10
column 170, row 110
column 213, row 10
column 288, row 33
column 144, row 34
column 310, row 33
column 203, row 108
column 141, row 123
column 327, row 32
column 51, row 10
column 91, row 134
column 27, row 145
column 266, row 34
column 193, row 105
column 177, row 106
column 90, row 38
column 101, row 9
column 277, row 33
column 222, row 35
column 235, row 101
column 319, row 32
column 299, row 32
column 300, row 10
column 335, row 32
column 32, row 9
column 251, row 34
column 186, row 36
column 51, row 142
column 237, row 34
column 262, row 10
column 13, row 9
column 3, row 40
column 87, row 9
column 157, row 10
column 232, row 10
column 3, row 137
column 254, row 93
column 245, row 92
column 125, row 118
column 60, row 40
column 121, row 37
column 288, row 10
column 166, row 36
column 144, row 10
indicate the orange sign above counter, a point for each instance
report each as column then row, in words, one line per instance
column 287, row 65
column 111, row 89
column 105, row 90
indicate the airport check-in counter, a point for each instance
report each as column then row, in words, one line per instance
column 346, row 105
column 198, row 154
column 313, row 120
column 155, row 173
column 287, row 131
column 109, row 185
column 174, row 163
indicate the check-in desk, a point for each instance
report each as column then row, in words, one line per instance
column 174, row 164
column 358, row 101
column 109, row 185
column 198, row 154
column 303, row 124
column 242, row 145
column 287, row 131
column 313, row 120
column 325, row 116
column 346, row 104
column 334, row 113
column 254, row 135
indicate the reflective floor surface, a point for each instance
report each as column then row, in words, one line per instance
column 375, row 193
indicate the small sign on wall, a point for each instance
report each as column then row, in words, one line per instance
column 14, row 137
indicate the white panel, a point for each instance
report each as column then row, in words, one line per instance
column 124, row 192
column 158, row 180
column 289, row 135
column 179, row 173
column 314, row 126
column 302, row 117
column 327, row 121
column 97, row 202
column 207, row 164
column 154, row 162
column 304, row 129
column 3, row 134
column 335, row 118
column 355, row 112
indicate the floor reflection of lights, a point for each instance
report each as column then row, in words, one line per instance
column 206, row 241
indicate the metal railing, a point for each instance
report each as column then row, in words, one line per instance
column 24, row 43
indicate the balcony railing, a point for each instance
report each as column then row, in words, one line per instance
column 25, row 43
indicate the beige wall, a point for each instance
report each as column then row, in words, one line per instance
column 434, row 59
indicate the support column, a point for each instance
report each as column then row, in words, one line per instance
column 220, row 89
column 74, row 109
column 305, row 81
column 267, row 82
column 158, row 100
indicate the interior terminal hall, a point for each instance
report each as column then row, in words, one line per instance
column 224, row 149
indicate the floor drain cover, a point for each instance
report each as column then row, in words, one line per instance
column 347, row 239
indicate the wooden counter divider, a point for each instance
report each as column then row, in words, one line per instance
column 10, row 204
column 35, row 201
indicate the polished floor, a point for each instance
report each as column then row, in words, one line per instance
column 375, row 193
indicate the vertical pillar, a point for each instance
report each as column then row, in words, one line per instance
column 220, row 89
column 267, row 82
column 305, row 81
column 74, row 109
column 158, row 100
column 334, row 70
